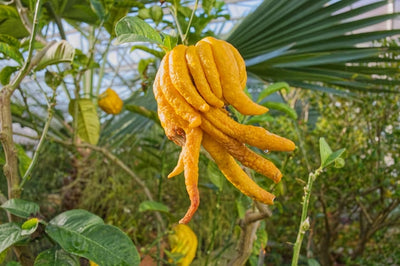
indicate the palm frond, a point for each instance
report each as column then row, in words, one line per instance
column 319, row 45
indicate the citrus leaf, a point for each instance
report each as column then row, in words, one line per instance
column 98, row 8
column 283, row 107
column 156, row 14
column 21, row 208
column 324, row 150
column 333, row 157
column 272, row 89
column 23, row 160
column 84, row 234
column 10, row 233
column 10, row 40
column 152, row 206
column 133, row 29
column 5, row 74
column 51, row 257
column 29, row 226
column 88, row 120
column 169, row 41
column 215, row 175
column 11, row 52
column 60, row 52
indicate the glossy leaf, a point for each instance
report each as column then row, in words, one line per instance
column 60, row 52
column 21, row 208
column 156, row 14
column 59, row 257
column 29, row 226
column 215, row 175
column 5, row 74
column 152, row 206
column 84, row 234
column 272, row 89
column 283, row 107
column 11, row 52
column 98, row 8
column 10, row 234
column 23, row 160
column 324, row 150
column 87, row 119
column 134, row 29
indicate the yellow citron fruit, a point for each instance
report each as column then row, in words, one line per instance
column 183, row 243
column 91, row 263
column 110, row 102
column 192, row 86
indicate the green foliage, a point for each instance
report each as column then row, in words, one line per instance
column 316, row 45
column 21, row 208
column 84, row 111
column 84, row 234
column 56, row 256
column 10, row 234
column 60, row 52
column 153, row 206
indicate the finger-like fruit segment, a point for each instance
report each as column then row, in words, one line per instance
column 180, row 78
column 199, row 78
column 174, row 98
column 231, row 88
column 191, row 153
column 179, row 166
column 252, row 135
column 209, row 67
column 234, row 173
column 243, row 154
column 241, row 65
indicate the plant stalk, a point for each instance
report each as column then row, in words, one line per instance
column 304, row 222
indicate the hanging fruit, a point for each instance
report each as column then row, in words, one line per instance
column 110, row 102
column 192, row 86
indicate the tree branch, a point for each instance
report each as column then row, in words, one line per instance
column 249, row 225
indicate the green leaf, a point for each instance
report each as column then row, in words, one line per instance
column 98, row 8
column 240, row 208
column 21, row 208
column 156, row 53
column 169, row 41
column 313, row 262
column 23, row 160
column 333, row 157
column 215, row 175
column 11, row 23
column 10, row 40
column 10, row 233
column 153, row 206
column 144, row 13
column 11, row 52
column 13, row 263
column 87, row 118
column 5, row 74
column 52, row 79
column 59, row 257
column 272, row 89
column 156, row 14
column 84, row 234
column 29, row 226
column 207, row 5
column 324, row 150
column 133, row 29
column 264, row 118
column 283, row 107
column 141, row 110
column 60, row 52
